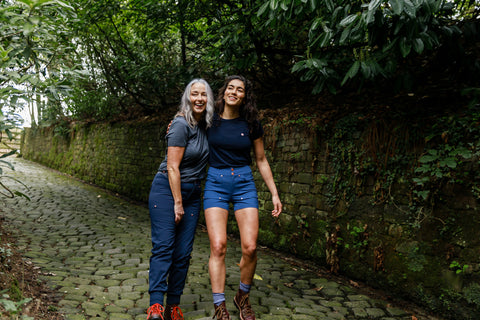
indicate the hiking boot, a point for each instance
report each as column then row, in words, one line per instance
column 155, row 312
column 221, row 312
column 242, row 303
column 173, row 312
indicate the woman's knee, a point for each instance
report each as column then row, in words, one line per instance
column 218, row 248
column 250, row 250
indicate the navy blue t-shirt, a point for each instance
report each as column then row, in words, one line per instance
column 230, row 142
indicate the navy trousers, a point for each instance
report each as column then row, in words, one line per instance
column 171, row 244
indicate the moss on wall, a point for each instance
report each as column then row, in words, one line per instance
column 121, row 157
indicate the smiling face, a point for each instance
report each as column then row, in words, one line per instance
column 198, row 98
column 234, row 93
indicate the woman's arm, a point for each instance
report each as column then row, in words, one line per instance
column 266, row 172
column 174, row 158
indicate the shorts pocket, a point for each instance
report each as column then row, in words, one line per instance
column 244, row 178
column 213, row 180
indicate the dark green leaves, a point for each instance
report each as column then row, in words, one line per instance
column 119, row 55
column 374, row 35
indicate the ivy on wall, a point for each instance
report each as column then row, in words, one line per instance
column 380, row 154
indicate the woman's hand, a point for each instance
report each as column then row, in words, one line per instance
column 277, row 205
column 178, row 213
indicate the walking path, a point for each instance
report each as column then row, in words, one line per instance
column 94, row 249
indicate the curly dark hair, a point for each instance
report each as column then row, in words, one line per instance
column 248, row 110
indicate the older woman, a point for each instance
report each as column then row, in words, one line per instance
column 174, row 201
column 233, row 134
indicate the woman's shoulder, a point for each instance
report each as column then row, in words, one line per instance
column 179, row 118
column 178, row 125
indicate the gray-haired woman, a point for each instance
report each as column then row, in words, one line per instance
column 174, row 201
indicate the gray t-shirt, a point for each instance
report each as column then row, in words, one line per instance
column 195, row 142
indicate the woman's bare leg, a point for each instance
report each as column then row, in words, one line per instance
column 216, row 220
column 247, row 220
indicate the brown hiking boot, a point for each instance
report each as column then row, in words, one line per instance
column 221, row 312
column 173, row 312
column 242, row 303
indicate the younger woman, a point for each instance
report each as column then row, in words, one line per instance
column 235, row 131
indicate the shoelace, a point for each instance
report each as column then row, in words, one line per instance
column 245, row 306
column 156, row 309
column 177, row 313
column 221, row 313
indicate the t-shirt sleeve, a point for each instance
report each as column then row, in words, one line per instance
column 177, row 136
column 257, row 131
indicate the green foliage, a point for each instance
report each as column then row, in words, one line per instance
column 13, row 307
column 454, row 141
column 104, row 59
column 37, row 67
column 62, row 129
column 345, row 159
column 139, row 55
column 5, row 254
column 438, row 166
column 343, row 41
column 356, row 239
column 445, row 157
column 358, row 234
column 416, row 260
column 457, row 267
column 472, row 293
column 302, row 221
column 6, row 126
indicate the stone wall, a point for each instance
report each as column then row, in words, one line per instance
column 7, row 145
column 374, row 243
column 120, row 157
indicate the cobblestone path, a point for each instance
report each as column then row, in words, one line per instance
column 94, row 249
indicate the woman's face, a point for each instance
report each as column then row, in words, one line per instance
column 198, row 98
column 234, row 93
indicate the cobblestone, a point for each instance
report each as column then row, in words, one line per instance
column 94, row 248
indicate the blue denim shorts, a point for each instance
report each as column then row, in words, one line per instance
column 235, row 185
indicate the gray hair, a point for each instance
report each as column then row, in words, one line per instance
column 185, row 108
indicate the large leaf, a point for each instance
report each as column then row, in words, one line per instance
column 274, row 4
column 409, row 8
column 299, row 66
column 448, row 162
column 405, row 46
column 348, row 20
column 352, row 72
column 418, row 45
column 263, row 8
column 344, row 36
column 367, row 71
column 373, row 5
column 397, row 6
column 428, row 159
column 369, row 17
column 28, row 28
column 330, row 5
